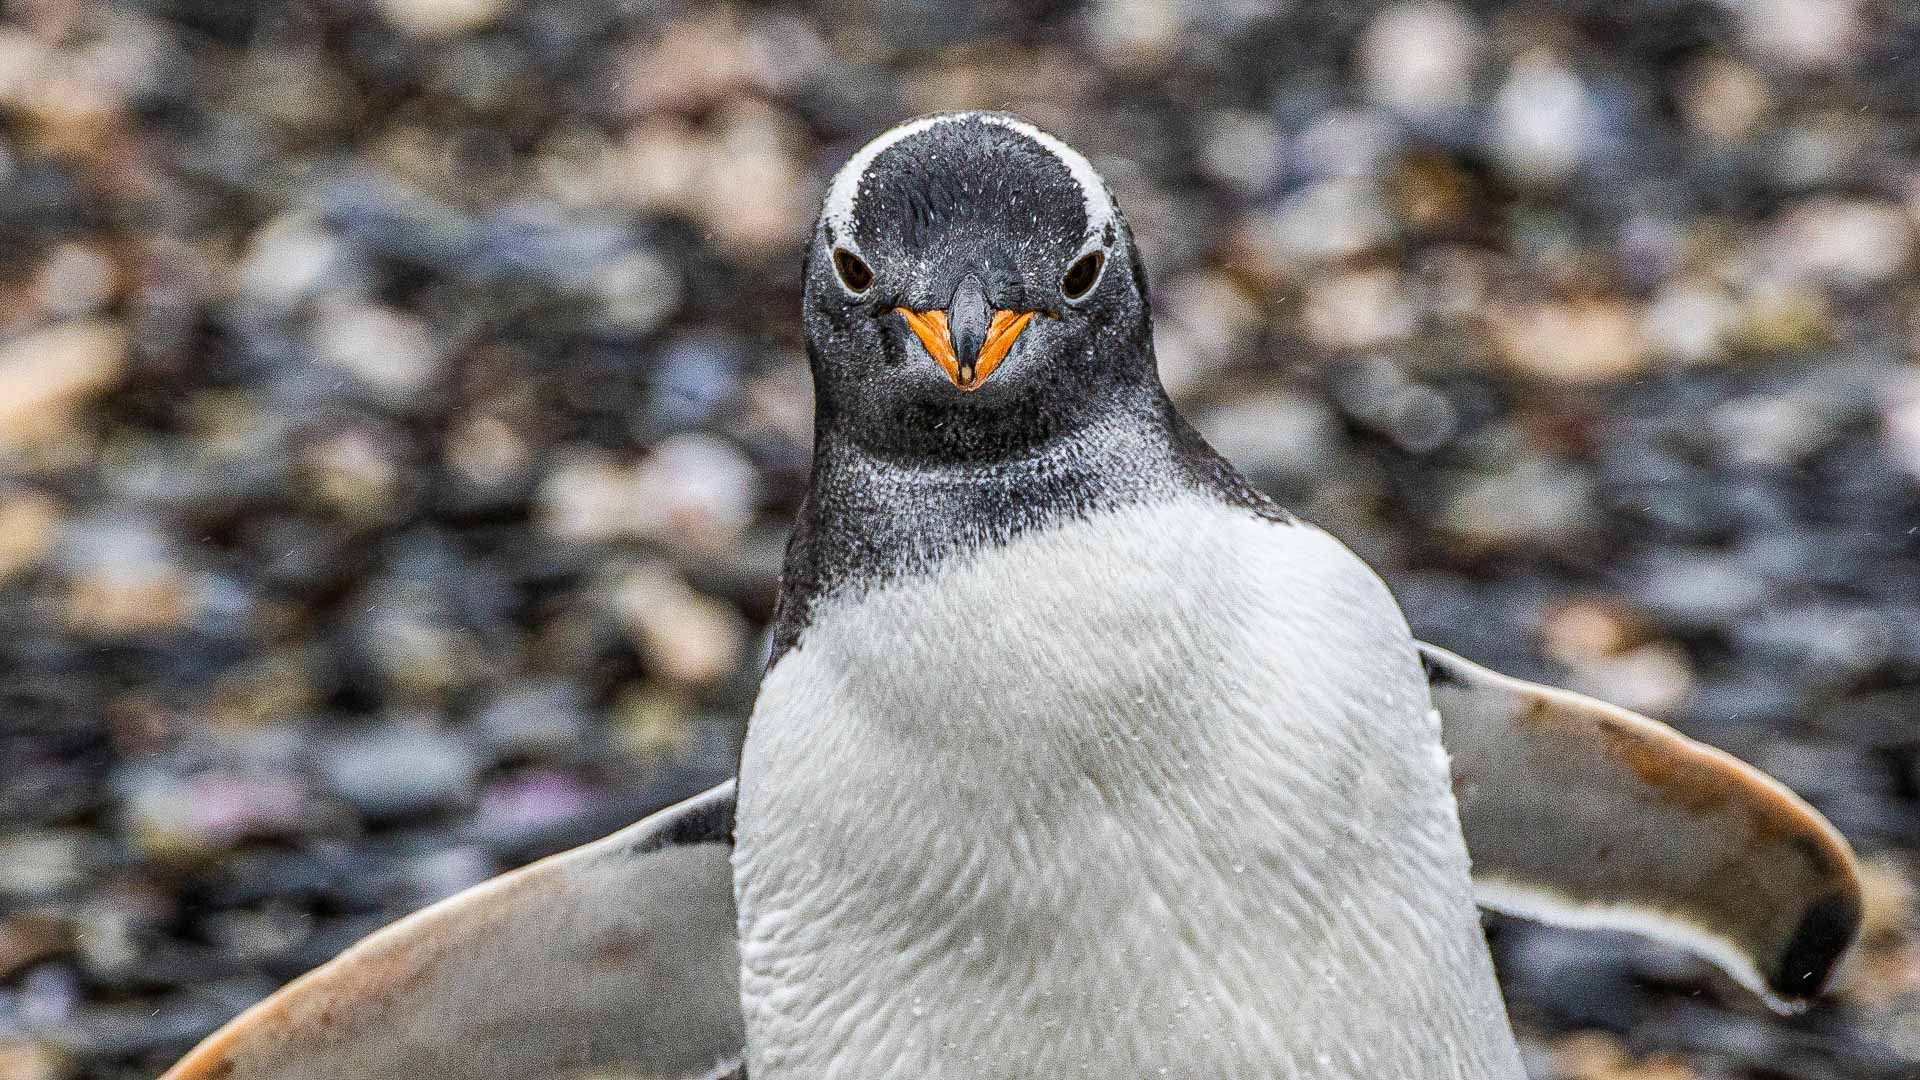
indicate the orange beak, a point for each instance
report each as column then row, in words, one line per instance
column 967, row 374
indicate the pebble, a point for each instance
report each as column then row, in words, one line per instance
column 48, row 375
column 1692, row 589
column 1654, row 678
column 441, row 873
column 638, row 291
column 1328, row 222
column 1207, row 321
column 24, row 1059
column 1364, row 309
column 1135, row 35
column 1591, row 341
column 409, row 635
column 1851, row 242
column 753, row 196
column 488, row 453
column 392, row 354
column 29, row 521
column 292, row 259
column 537, row 719
column 441, row 18
column 124, row 576
column 1726, row 99
column 693, row 491
column 1806, row 34
column 1281, row 439
column 211, row 811
column 27, row 938
column 1690, row 320
column 1243, row 151
column 1419, row 58
column 1818, row 770
column 694, row 377
column 75, row 280
column 1539, row 505
column 529, row 810
column 1344, row 144
column 1776, row 430
column 1544, row 121
column 402, row 768
column 653, row 720
column 688, row 638
column 1599, row 1056
column 357, row 472
column 694, row 62
column 43, row 863
column 1589, row 629
column 1376, row 393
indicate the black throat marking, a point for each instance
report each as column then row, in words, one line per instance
column 867, row 521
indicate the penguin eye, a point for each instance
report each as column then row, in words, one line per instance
column 1082, row 274
column 854, row 274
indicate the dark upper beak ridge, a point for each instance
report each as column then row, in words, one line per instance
column 969, row 318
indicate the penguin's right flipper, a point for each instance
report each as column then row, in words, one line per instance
column 615, row 958
column 1585, row 814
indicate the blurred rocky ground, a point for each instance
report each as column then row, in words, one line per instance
column 402, row 403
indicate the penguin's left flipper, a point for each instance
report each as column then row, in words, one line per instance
column 617, row 958
column 1584, row 814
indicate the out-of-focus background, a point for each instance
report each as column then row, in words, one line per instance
column 402, row 403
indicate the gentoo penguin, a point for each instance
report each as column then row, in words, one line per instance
column 1076, row 756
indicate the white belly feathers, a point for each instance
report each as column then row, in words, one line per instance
column 1153, row 794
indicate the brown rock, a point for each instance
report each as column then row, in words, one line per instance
column 26, row 939
column 441, row 18
column 693, row 492
column 1585, row 341
column 1725, row 98
column 1595, row 1055
column 684, row 636
column 25, row 1059
column 1360, row 310
column 128, row 599
column 46, row 376
column 27, row 523
column 1581, row 631
column 696, row 62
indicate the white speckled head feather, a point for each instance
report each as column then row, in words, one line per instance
column 837, row 213
column 1093, row 188
column 843, row 195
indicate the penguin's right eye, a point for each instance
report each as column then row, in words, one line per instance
column 857, row 276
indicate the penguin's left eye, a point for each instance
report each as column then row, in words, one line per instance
column 857, row 276
column 1082, row 274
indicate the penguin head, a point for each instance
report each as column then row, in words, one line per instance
column 972, row 291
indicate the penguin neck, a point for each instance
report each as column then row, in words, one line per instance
column 871, row 517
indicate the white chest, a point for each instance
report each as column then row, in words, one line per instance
column 1149, row 795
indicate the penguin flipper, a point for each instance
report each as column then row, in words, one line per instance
column 1584, row 814
column 618, row 956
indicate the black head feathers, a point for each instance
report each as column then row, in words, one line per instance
column 971, row 292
